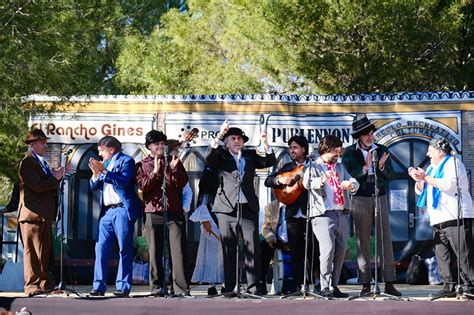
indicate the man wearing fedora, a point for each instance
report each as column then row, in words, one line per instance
column 236, row 166
column 358, row 160
column 37, row 210
column 149, row 177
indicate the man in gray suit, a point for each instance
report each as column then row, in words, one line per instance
column 236, row 165
column 330, row 186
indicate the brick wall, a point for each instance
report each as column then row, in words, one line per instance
column 467, row 123
column 53, row 154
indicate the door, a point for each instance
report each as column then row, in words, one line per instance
column 409, row 224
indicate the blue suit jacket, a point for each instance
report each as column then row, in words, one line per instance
column 122, row 177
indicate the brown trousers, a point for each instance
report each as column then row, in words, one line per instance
column 37, row 248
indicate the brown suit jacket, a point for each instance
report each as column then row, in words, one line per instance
column 38, row 192
column 272, row 217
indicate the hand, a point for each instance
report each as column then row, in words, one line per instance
column 326, row 175
column 224, row 128
column 271, row 244
column 156, row 165
column 347, row 185
column 420, row 174
column 412, row 172
column 174, row 162
column 93, row 167
column 206, row 225
column 58, row 173
column 264, row 140
column 285, row 180
column 383, row 159
column 368, row 162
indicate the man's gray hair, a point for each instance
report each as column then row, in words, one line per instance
column 441, row 144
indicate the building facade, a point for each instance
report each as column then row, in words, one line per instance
column 406, row 123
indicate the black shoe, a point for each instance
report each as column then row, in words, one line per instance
column 94, row 292
column 448, row 290
column 261, row 289
column 229, row 295
column 121, row 293
column 390, row 289
column 365, row 290
column 326, row 293
column 338, row 294
column 212, row 291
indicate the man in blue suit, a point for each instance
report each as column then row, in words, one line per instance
column 119, row 208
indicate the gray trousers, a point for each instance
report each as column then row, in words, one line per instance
column 363, row 218
column 332, row 231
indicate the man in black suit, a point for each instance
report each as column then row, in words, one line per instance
column 295, row 213
column 234, row 165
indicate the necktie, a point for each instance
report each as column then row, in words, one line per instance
column 46, row 168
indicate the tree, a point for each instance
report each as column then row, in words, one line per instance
column 61, row 47
column 301, row 46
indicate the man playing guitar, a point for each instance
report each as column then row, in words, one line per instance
column 288, row 189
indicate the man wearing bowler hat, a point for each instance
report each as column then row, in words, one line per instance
column 37, row 210
column 236, row 166
column 358, row 162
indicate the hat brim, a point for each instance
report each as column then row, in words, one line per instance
column 33, row 140
column 357, row 133
column 244, row 137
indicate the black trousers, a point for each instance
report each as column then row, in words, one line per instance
column 251, row 246
column 266, row 255
column 447, row 247
column 177, row 247
column 296, row 230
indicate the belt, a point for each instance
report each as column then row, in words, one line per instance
column 116, row 205
column 371, row 178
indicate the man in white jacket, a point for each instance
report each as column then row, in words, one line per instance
column 438, row 193
column 329, row 185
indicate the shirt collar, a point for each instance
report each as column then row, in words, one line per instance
column 373, row 147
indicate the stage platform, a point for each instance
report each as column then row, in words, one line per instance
column 416, row 301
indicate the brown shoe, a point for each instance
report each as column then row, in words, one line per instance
column 390, row 289
column 365, row 289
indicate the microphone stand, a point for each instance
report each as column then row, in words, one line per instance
column 165, row 259
column 459, row 291
column 238, row 290
column 61, row 287
column 377, row 222
column 304, row 287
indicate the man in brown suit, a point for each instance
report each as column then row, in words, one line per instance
column 37, row 211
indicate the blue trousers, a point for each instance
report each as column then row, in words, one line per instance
column 114, row 225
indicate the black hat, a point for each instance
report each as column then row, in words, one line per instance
column 35, row 134
column 154, row 136
column 234, row 131
column 361, row 125
column 172, row 143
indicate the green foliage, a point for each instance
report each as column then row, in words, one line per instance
column 61, row 47
column 301, row 46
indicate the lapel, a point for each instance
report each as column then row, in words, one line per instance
column 38, row 164
column 231, row 160
column 359, row 157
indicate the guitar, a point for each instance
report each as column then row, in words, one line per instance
column 288, row 194
column 187, row 138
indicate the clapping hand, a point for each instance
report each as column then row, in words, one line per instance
column 383, row 159
column 347, row 185
column 174, row 162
